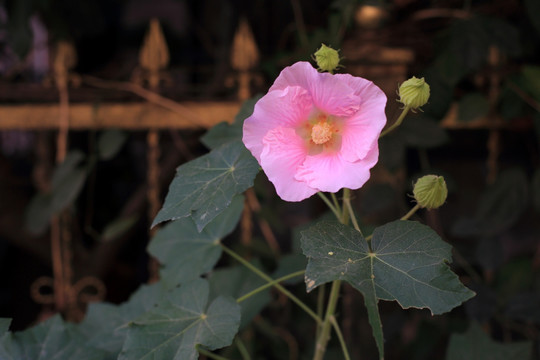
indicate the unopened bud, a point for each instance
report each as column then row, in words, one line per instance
column 414, row 93
column 327, row 59
column 430, row 191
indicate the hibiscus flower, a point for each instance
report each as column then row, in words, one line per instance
column 316, row 131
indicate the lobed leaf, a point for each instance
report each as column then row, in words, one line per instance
column 235, row 282
column 407, row 263
column 204, row 187
column 105, row 325
column 186, row 253
column 180, row 322
column 52, row 339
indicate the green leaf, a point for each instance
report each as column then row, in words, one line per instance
column 118, row 227
column 529, row 80
column 67, row 182
column 4, row 325
column 70, row 163
column 224, row 132
column 235, row 282
column 38, row 214
column 52, row 339
column 105, row 325
column 500, row 206
column 173, row 329
column 66, row 190
column 408, row 264
column 472, row 106
column 110, row 142
column 185, row 253
column 474, row 344
column 465, row 45
column 204, row 187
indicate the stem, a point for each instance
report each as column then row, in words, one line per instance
column 329, row 204
column 209, row 354
column 242, row 348
column 323, row 336
column 347, row 203
column 411, row 212
column 322, row 341
column 336, row 202
column 269, row 284
column 404, row 217
column 269, row 279
column 320, row 305
column 340, row 338
column 344, row 219
column 397, row 123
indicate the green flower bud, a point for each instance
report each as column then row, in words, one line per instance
column 430, row 191
column 327, row 59
column 414, row 93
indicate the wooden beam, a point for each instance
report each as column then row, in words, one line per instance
column 451, row 121
column 132, row 116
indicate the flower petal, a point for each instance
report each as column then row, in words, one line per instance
column 287, row 107
column 365, row 126
column 328, row 172
column 283, row 153
column 331, row 94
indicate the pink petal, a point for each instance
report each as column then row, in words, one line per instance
column 283, row 153
column 287, row 107
column 331, row 94
column 364, row 127
column 332, row 172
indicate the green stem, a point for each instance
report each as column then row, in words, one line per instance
column 397, row 123
column 322, row 341
column 242, row 348
column 344, row 219
column 347, row 203
column 269, row 284
column 411, row 212
column 329, row 204
column 323, row 336
column 336, row 202
column 269, row 279
column 209, row 354
column 404, row 217
column 320, row 305
column 340, row 338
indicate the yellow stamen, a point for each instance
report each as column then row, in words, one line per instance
column 321, row 133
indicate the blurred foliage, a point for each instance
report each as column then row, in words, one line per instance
column 494, row 230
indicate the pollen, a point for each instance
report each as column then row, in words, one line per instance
column 321, row 133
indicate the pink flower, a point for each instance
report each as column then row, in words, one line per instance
column 316, row 131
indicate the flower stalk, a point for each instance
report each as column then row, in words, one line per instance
column 398, row 121
column 261, row 274
column 329, row 318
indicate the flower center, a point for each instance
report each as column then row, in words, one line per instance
column 321, row 132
